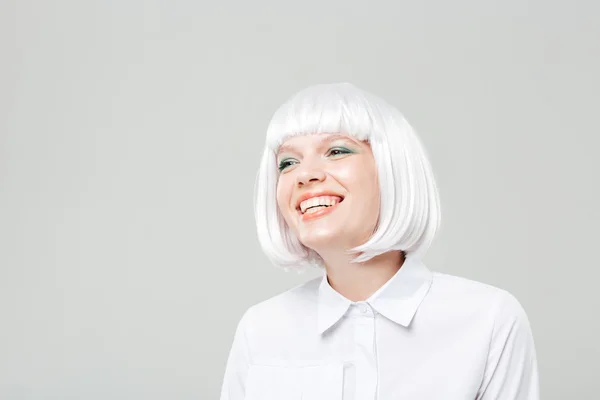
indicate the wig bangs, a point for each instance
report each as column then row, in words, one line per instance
column 337, row 108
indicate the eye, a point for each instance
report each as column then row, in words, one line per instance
column 336, row 151
column 286, row 163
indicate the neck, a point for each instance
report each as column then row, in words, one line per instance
column 358, row 281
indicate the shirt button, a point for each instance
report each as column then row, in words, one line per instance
column 363, row 308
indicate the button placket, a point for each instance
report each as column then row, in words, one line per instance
column 365, row 359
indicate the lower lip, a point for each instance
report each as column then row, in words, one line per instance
column 319, row 214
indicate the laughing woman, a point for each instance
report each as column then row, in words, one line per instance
column 345, row 186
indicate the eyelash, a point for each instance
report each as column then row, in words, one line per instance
column 283, row 164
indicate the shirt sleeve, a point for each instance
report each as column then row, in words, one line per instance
column 238, row 362
column 511, row 371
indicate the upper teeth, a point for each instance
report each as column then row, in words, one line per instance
column 319, row 201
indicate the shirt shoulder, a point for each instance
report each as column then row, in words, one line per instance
column 468, row 298
column 460, row 289
column 290, row 305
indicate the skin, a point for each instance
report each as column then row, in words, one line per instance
column 341, row 165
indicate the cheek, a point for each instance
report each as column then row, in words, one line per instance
column 283, row 194
column 374, row 180
column 361, row 180
column 279, row 196
column 357, row 175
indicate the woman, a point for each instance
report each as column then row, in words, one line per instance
column 345, row 185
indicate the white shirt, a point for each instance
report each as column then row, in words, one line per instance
column 422, row 335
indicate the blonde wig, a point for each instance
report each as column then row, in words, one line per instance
column 409, row 214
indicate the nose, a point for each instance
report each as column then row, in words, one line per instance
column 310, row 176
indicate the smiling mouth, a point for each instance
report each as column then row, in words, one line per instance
column 314, row 209
column 318, row 211
column 319, row 203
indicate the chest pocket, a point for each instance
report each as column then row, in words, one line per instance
column 314, row 382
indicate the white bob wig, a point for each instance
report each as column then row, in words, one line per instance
column 409, row 214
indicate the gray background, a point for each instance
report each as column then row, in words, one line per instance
column 131, row 134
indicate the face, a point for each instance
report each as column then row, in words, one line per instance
column 328, row 190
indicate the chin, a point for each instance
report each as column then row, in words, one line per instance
column 320, row 239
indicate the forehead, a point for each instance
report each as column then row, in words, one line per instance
column 296, row 143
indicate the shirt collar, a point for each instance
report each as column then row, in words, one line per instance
column 398, row 299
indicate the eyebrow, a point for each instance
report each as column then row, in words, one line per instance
column 323, row 139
